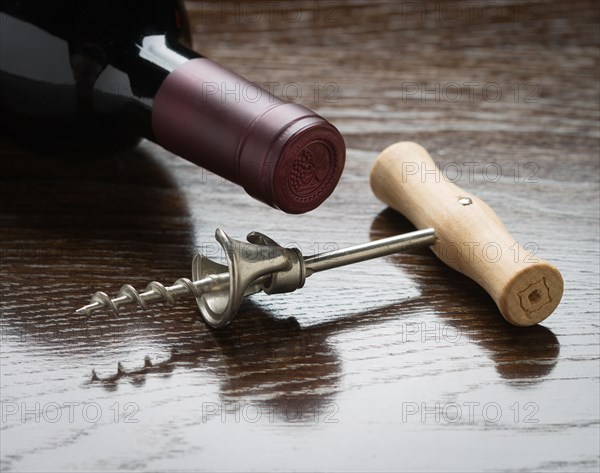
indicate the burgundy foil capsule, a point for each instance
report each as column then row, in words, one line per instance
column 282, row 153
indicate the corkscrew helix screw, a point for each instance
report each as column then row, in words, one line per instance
column 258, row 265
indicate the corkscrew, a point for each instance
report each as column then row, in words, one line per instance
column 525, row 289
column 258, row 265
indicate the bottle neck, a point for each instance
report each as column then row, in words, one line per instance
column 135, row 75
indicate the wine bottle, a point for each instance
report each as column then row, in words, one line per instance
column 101, row 74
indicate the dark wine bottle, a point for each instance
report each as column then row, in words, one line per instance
column 101, row 74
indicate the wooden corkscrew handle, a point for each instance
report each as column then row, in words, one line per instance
column 470, row 237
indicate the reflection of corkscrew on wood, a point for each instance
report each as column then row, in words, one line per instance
column 258, row 355
column 139, row 374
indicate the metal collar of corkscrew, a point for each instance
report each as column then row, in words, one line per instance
column 259, row 265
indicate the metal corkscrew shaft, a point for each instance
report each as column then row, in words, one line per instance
column 259, row 265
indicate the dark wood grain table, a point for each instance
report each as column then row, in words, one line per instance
column 398, row 364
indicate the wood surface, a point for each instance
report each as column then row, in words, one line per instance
column 399, row 364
